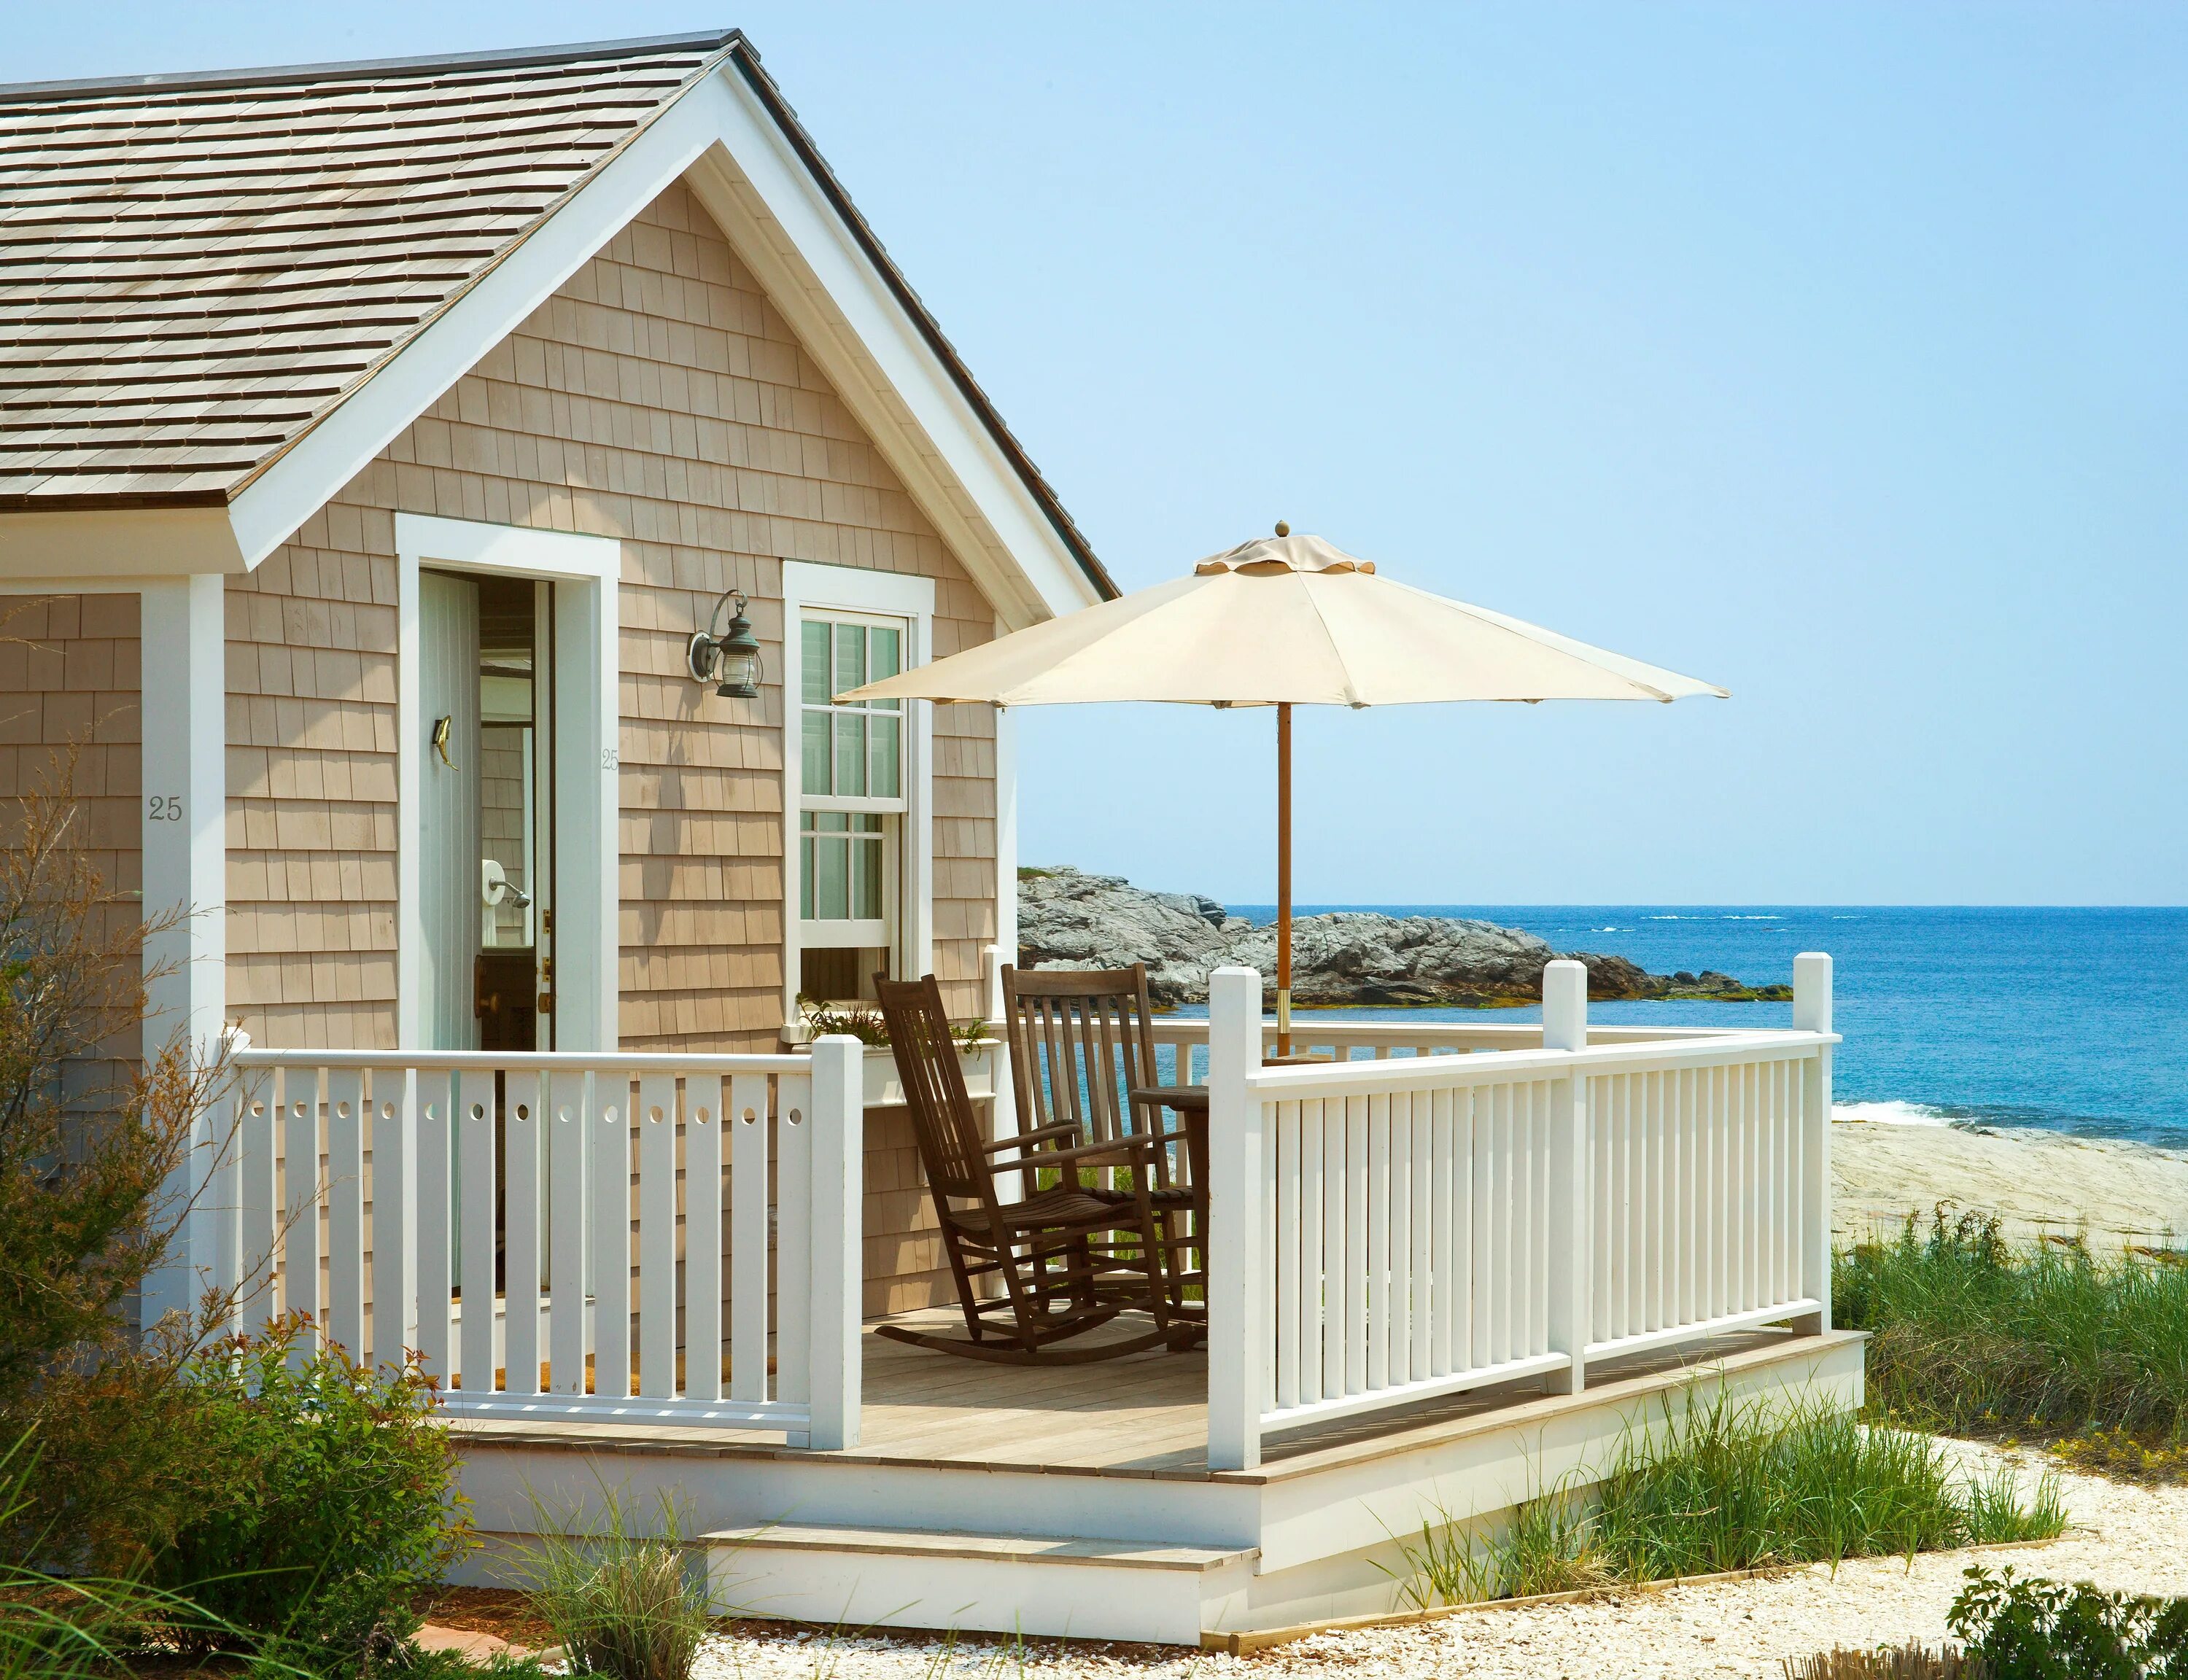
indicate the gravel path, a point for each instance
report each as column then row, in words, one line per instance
column 2121, row 1537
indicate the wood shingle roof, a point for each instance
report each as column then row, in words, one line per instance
column 195, row 269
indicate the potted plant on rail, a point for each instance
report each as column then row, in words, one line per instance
column 976, row 1048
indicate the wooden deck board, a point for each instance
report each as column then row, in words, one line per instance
column 1145, row 1414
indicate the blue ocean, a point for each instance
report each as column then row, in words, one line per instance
column 2072, row 1019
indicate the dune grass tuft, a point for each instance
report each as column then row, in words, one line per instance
column 1725, row 1485
column 1973, row 1337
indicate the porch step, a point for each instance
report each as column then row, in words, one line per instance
column 1138, row 1590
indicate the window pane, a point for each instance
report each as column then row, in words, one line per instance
column 815, row 772
column 850, row 658
column 850, row 754
column 865, row 822
column 805, row 879
column 829, row 822
column 831, row 893
column 881, row 755
column 882, row 657
column 866, row 879
column 812, row 663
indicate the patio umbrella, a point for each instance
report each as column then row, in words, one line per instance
column 1283, row 621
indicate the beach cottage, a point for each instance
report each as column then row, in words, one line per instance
column 440, row 499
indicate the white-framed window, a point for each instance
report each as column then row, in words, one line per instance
column 858, row 866
column 851, row 783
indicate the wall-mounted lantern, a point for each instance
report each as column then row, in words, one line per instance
column 728, row 658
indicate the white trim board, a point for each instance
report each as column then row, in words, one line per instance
column 587, row 743
column 850, row 589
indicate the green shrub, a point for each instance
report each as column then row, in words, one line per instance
column 1733, row 1486
column 2045, row 1630
column 1973, row 1337
column 71, row 1628
column 620, row 1604
column 334, row 1506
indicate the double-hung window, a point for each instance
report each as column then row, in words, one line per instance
column 852, row 797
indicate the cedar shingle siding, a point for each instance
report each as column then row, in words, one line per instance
column 659, row 399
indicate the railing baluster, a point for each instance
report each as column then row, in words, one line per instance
column 259, row 1224
column 794, row 1192
column 300, row 1172
column 1420, row 1351
column 610, row 1161
column 748, row 1316
column 1378, row 1186
column 1311, row 1326
column 569, row 1108
column 1357, row 1251
column 436, row 1221
column 394, row 1168
column 706, row 1120
column 1289, row 1125
column 522, row 1126
column 476, row 1171
column 657, row 1236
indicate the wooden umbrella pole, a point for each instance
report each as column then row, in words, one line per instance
column 1284, row 879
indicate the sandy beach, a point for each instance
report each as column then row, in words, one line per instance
column 2037, row 1182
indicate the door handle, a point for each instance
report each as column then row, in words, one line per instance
column 441, row 728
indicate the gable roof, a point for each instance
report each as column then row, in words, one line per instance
column 196, row 272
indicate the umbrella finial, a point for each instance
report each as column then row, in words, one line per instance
column 1283, row 529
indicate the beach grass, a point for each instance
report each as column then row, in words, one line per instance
column 1973, row 1336
column 1727, row 1484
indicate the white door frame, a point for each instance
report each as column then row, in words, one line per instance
column 895, row 594
column 586, row 745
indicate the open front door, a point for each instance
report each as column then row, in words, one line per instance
column 448, row 816
column 486, row 818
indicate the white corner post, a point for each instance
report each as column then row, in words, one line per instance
column 1238, row 1357
column 838, row 1122
column 184, row 812
column 1565, row 1027
column 1812, row 1013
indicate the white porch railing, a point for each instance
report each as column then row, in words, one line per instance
column 574, row 1234
column 1411, row 1226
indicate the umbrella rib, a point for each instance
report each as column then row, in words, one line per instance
column 1352, row 694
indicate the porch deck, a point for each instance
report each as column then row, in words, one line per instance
column 1143, row 1416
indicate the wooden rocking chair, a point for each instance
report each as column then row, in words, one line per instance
column 1083, row 1053
column 1068, row 1261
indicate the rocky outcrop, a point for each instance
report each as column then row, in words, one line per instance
column 1068, row 919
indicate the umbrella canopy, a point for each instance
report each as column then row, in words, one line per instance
column 1283, row 621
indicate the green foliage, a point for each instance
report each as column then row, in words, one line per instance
column 53, row 1628
column 1725, row 1485
column 866, row 1025
column 2045, row 1630
column 89, row 1132
column 1734, row 1486
column 328, row 1505
column 1973, row 1337
column 620, row 1602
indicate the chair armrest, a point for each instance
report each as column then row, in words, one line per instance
column 1067, row 1128
column 1180, row 1098
column 1117, row 1148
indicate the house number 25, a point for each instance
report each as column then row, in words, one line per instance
column 165, row 807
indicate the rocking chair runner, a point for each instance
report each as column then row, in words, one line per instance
column 1068, row 1261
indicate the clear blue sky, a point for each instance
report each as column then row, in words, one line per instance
column 1836, row 353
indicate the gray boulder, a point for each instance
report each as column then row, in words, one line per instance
column 1069, row 919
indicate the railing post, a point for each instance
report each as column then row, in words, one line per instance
column 1237, row 1341
column 1565, row 1027
column 1812, row 1013
column 838, row 1122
